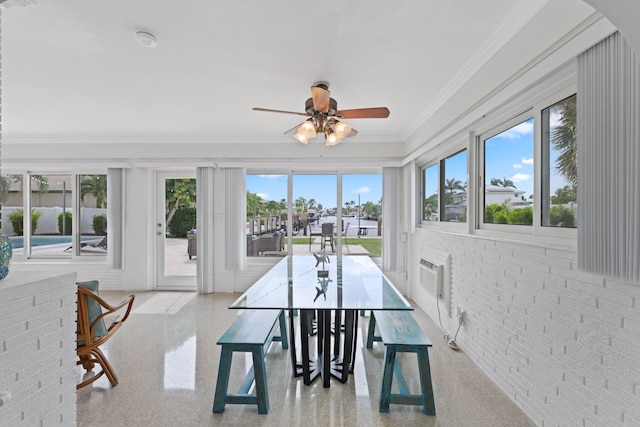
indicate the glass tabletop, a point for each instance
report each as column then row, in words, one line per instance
column 299, row 282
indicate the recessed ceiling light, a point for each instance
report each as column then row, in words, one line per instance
column 146, row 39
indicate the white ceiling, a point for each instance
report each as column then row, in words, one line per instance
column 73, row 68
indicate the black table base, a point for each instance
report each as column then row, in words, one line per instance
column 337, row 362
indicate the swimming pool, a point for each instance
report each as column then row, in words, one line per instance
column 17, row 242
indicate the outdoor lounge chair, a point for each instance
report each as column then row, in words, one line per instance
column 102, row 244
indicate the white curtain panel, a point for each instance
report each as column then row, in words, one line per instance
column 609, row 160
column 115, row 218
column 235, row 199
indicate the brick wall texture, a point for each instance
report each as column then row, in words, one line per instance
column 563, row 344
column 37, row 354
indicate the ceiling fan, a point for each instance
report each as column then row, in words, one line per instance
column 323, row 114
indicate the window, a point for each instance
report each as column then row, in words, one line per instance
column 51, row 215
column 445, row 189
column 12, row 200
column 52, row 223
column 455, row 187
column 362, row 214
column 431, row 183
column 266, row 211
column 93, row 214
column 559, row 172
column 508, row 174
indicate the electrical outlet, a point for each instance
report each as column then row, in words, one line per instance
column 458, row 311
column 404, row 275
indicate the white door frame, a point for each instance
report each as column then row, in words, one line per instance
column 161, row 280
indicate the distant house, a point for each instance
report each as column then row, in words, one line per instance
column 493, row 194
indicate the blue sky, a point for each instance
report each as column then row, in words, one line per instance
column 322, row 188
column 507, row 155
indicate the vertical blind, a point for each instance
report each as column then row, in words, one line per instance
column 609, row 160
column 115, row 218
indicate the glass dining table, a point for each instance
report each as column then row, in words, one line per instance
column 328, row 292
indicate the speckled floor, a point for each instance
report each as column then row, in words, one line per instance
column 166, row 358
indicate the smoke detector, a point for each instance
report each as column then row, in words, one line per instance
column 146, row 39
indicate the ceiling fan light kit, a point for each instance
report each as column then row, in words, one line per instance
column 323, row 112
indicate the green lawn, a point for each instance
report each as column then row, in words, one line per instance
column 371, row 244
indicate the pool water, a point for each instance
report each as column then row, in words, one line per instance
column 17, row 242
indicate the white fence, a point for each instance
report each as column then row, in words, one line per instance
column 48, row 221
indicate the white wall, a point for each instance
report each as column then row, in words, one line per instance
column 38, row 349
column 563, row 344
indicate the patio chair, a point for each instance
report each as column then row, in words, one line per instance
column 326, row 235
column 98, row 321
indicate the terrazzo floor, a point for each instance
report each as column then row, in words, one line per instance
column 166, row 359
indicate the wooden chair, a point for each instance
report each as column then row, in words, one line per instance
column 93, row 331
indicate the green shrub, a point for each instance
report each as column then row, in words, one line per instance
column 559, row 216
column 521, row 216
column 496, row 213
column 17, row 221
column 100, row 224
column 67, row 223
column 183, row 221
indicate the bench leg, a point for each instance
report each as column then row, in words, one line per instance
column 222, row 382
column 371, row 331
column 261, row 380
column 387, row 377
column 429, row 406
column 283, row 338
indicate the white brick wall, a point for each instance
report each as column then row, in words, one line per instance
column 565, row 345
column 37, row 349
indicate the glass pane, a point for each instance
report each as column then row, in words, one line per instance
column 180, row 239
column 508, row 171
column 11, row 199
column 455, row 187
column 51, row 215
column 431, row 185
column 93, row 214
column 362, row 214
column 559, row 165
column 314, row 204
column 266, row 215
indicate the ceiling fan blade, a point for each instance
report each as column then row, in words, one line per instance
column 320, row 97
column 279, row 111
column 364, row 113
column 293, row 130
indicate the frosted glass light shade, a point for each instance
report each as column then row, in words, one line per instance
column 341, row 129
column 307, row 129
column 301, row 138
column 331, row 139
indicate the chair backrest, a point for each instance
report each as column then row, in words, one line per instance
column 327, row 228
column 92, row 329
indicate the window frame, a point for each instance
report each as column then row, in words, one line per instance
column 458, row 145
column 74, row 255
column 535, row 232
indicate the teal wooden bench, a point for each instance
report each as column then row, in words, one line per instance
column 400, row 332
column 252, row 332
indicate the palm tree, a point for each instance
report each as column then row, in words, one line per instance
column 564, row 138
column 504, row 182
column 451, row 185
column 312, row 204
column 97, row 186
column 254, row 204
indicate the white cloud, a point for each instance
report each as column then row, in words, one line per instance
column 520, row 177
column 525, row 128
column 271, row 176
column 517, row 166
column 263, row 196
column 526, row 161
column 362, row 190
